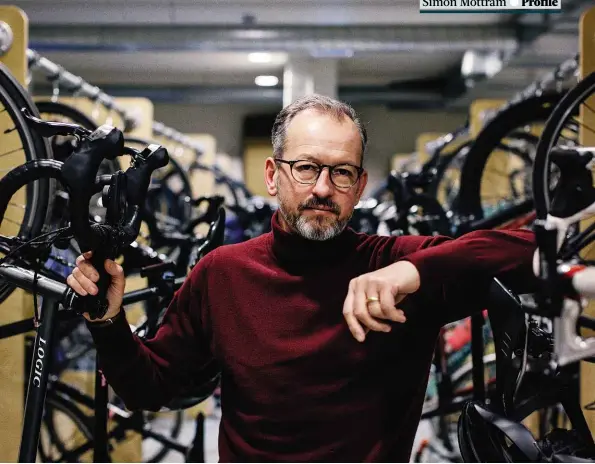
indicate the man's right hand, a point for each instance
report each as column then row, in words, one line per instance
column 82, row 281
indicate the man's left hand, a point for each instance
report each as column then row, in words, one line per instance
column 374, row 297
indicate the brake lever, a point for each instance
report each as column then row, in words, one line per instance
column 50, row 129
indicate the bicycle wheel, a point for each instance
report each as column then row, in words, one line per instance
column 446, row 184
column 534, row 110
column 567, row 108
column 67, row 431
column 27, row 212
column 57, row 236
column 64, row 429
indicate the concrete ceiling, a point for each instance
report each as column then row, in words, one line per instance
column 139, row 44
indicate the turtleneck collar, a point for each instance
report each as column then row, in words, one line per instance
column 298, row 253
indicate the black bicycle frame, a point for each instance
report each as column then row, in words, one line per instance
column 477, row 349
column 38, row 381
column 53, row 293
column 100, row 437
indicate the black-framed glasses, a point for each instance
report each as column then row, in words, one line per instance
column 343, row 175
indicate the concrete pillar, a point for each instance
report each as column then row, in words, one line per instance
column 305, row 76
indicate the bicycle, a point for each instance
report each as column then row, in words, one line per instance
column 547, row 373
column 123, row 199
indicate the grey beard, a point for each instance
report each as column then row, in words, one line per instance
column 308, row 229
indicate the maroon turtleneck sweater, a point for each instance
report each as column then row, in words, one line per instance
column 296, row 386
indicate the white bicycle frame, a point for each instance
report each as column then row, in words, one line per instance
column 569, row 345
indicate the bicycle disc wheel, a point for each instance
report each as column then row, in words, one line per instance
column 27, row 211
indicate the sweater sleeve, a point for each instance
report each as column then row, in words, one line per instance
column 457, row 273
column 148, row 374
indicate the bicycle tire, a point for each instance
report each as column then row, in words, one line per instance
column 15, row 179
column 441, row 169
column 55, row 403
column 553, row 126
column 533, row 110
column 38, row 195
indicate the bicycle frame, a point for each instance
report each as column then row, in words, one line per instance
column 38, row 380
column 54, row 293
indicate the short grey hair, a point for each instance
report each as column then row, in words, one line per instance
column 322, row 104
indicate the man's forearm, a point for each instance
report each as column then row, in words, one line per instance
column 479, row 255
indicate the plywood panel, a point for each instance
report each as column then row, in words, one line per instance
column 19, row 305
column 16, row 58
column 256, row 151
column 202, row 182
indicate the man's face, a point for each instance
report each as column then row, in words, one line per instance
column 318, row 211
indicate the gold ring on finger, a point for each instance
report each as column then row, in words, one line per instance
column 372, row 299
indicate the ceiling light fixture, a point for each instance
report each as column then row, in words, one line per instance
column 259, row 57
column 481, row 65
column 266, row 81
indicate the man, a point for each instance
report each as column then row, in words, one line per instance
column 324, row 336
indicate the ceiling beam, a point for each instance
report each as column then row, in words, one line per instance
column 395, row 96
column 313, row 41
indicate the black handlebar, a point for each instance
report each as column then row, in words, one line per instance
column 123, row 198
column 79, row 171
